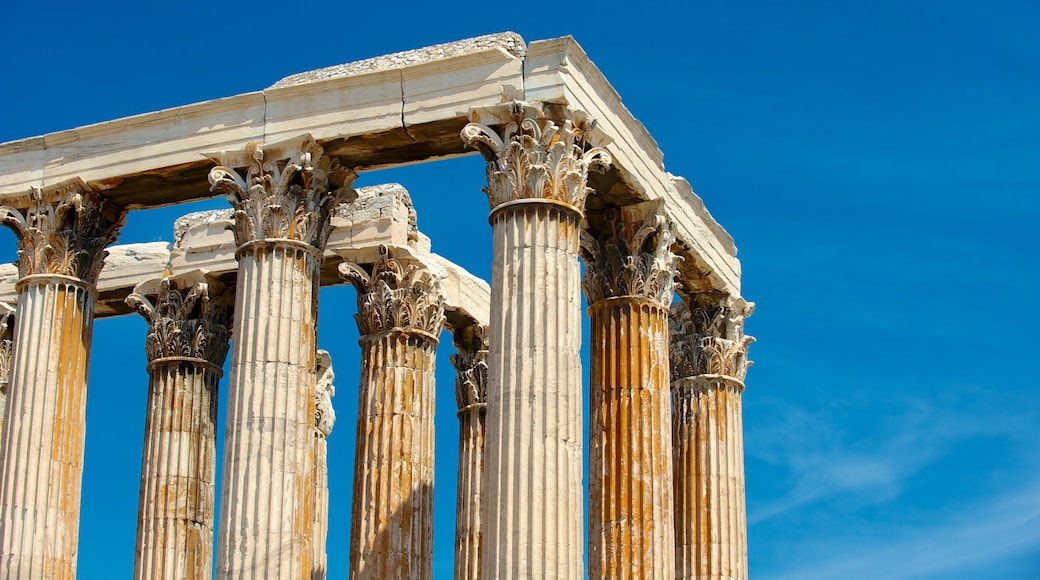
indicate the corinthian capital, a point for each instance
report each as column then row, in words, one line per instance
column 324, row 390
column 64, row 230
column 536, row 158
column 630, row 255
column 183, row 322
column 287, row 192
column 707, row 336
column 395, row 296
column 471, row 366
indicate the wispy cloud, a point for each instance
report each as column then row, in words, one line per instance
column 966, row 545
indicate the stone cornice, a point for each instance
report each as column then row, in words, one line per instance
column 534, row 157
column 191, row 322
column 471, row 367
column 287, row 192
column 396, row 296
column 64, row 231
column 707, row 337
column 630, row 256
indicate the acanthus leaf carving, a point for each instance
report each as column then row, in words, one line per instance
column 324, row 390
column 184, row 323
column 6, row 345
column 537, row 159
column 630, row 258
column 395, row 296
column 707, row 337
column 64, row 231
column 285, row 198
column 471, row 366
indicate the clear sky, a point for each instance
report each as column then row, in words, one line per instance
column 878, row 164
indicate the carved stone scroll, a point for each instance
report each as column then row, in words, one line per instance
column 187, row 341
column 400, row 317
column 709, row 361
column 629, row 272
column 61, row 239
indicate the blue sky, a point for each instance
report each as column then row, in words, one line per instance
column 877, row 163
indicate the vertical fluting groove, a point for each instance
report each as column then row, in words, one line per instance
column 391, row 528
column 709, row 473
column 631, row 530
column 265, row 522
column 175, row 513
column 533, row 462
column 471, row 470
column 43, row 437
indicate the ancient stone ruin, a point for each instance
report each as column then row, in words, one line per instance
column 571, row 176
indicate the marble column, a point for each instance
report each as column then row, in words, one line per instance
column 629, row 284
column 282, row 207
column 324, row 419
column 400, row 317
column 537, row 172
column 471, row 395
column 61, row 240
column 6, row 350
column 187, row 341
column 708, row 364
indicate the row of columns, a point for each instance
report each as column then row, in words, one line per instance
column 519, row 387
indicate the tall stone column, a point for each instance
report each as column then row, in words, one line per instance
column 6, row 350
column 537, row 172
column 186, row 344
column 61, row 241
column 400, row 317
column 282, row 208
column 629, row 273
column 324, row 419
column 471, row 395
column 708, row 364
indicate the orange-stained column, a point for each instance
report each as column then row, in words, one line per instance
column 629, row 273
column 400, row 317
column 187, row 341
column 471, row 395
column 708, row 364
column 61, row 241
column 537, row 173
column 282, row 209
column 324, row 420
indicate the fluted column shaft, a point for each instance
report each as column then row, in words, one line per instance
column 400, row 317
column 6, row 350
column 175, row 515
column 265, row 521
column 629, row 273
column 46, row 427
column 537, row 173
column 533, row 515
column 324, row 419
column 708, row 364
column 391, row 531
column 471, row 397
column 61, row 240
column 630, row 500
column 711, row 540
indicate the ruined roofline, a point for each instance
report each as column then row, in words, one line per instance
column 511, row 42
column 376, row 118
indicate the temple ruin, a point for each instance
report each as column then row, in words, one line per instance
column 571, row 175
